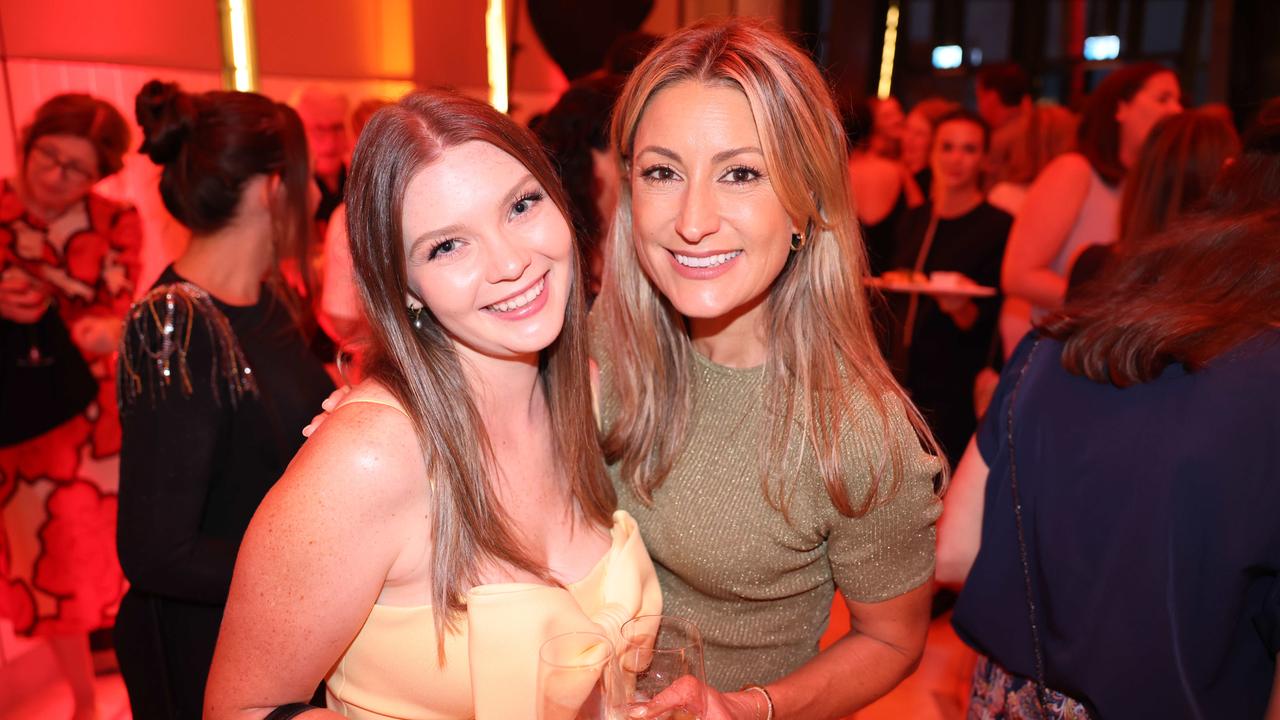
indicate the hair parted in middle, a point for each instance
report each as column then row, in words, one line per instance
column 963, row 114
column 821, row 343
column 421, row 367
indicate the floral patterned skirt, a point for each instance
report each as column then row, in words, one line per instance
column 998, row 694
column 59, row 573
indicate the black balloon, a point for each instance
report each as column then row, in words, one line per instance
column 578, row 33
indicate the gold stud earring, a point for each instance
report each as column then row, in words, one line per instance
column 797, row 241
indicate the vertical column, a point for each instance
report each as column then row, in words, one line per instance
column 239, row 46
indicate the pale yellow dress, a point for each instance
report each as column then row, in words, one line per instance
column 390, row 670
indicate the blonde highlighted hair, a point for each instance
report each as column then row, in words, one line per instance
column 818, row 327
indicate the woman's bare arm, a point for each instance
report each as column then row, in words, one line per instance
column 960, row 527
column 315, row 559
column 1040, row 229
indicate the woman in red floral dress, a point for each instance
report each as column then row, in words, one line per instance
column 68, row 266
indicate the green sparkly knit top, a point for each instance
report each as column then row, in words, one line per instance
column 760, row 588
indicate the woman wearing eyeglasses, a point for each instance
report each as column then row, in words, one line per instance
column 68, row 265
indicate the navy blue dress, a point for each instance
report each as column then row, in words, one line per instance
column 1152, row 518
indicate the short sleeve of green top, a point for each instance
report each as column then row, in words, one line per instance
column 760, row 585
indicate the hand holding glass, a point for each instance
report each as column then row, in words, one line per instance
column 660, row 669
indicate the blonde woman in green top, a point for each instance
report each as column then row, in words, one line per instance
column 750, row 422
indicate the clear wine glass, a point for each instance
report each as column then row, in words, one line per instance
column 661, row 659
column 576, row 674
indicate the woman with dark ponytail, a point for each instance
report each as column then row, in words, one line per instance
column 214, row 378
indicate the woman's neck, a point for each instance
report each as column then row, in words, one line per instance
column 955, row 202
column 1128, row 153
column 508, row 392
column 44, row 212
column 735, row 339
column 230, row 263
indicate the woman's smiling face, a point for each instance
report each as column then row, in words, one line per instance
column 709, row 230
column 488, row 253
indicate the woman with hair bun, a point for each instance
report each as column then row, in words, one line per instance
column 68, row 265
column 214, row 378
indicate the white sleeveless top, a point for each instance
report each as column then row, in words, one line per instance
column 1097, row 223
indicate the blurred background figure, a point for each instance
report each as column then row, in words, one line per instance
column 943, row 341
column 339, row 312
column 324, row 112
column 1179, row 161
column 887, row 123
column 1114, row 523
column 626, row 52
column 917, row 140
column 363, row 111
column 575, row 132
column 1075, row 202
column 1003, row 95
column 216, row 378
column 1050, row 132
column 1044, row 133
column 324, row 115
column 882, row 188
column 68, row 265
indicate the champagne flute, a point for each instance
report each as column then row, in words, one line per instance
column 661, row 659
column 575, row 677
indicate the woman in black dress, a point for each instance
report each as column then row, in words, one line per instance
column 215, row 379
column 943, row 341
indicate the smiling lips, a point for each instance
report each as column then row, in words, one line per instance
column 703, row 267
column 706, row 261
column 526, row 303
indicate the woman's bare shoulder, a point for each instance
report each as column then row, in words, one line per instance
column 1069, row 167
column 366, row 450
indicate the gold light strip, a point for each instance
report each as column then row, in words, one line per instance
column 495, row 37
column 239, row 56
column 886, row 55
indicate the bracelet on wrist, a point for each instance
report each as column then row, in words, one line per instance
column 768, row 699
